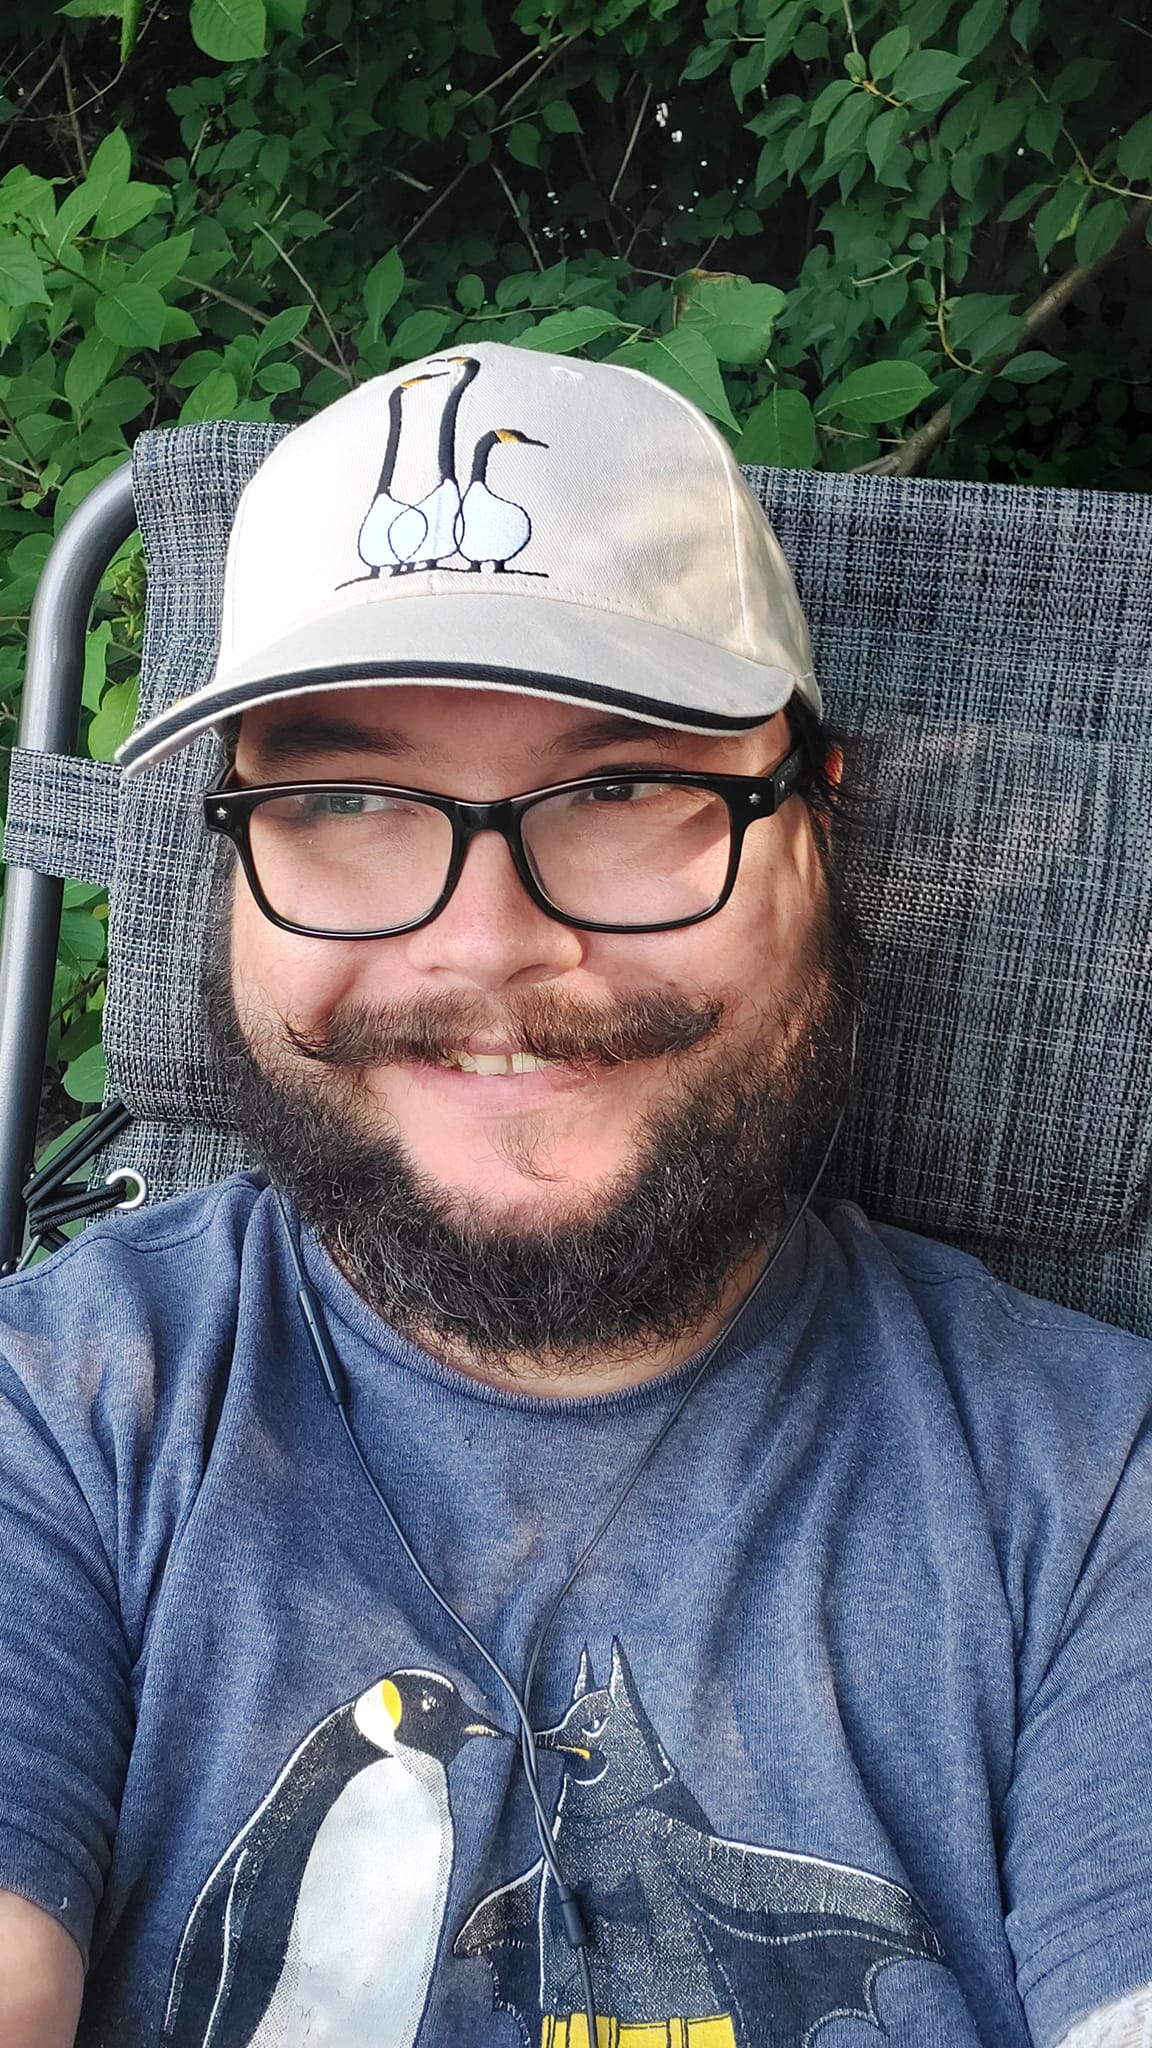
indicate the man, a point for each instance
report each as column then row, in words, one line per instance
column 526, row 1570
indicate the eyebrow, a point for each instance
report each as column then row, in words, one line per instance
column 592, row 735
column 298, row 739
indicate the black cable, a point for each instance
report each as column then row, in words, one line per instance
column 336, row 1385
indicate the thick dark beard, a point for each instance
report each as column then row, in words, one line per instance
column 741, row 1137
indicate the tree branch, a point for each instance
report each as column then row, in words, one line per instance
column 911, row 454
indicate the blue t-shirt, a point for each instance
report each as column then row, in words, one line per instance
column 847, row 1723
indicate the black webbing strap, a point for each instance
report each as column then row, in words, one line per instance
column 53, row 1199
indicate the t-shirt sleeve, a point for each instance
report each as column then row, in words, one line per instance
column 1077, row 1850
column 65, row 1672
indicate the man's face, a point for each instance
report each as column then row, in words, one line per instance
column 533, row 1150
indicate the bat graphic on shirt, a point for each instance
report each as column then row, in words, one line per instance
column 764, row 1945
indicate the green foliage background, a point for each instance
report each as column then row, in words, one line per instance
column 860, row 234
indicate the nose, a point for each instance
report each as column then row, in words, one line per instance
column 490, row 934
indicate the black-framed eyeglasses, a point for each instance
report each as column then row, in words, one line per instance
column 641, row 851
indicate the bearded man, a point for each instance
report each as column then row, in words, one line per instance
column 526, row 1567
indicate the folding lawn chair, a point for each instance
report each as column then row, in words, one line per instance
column 985, row 645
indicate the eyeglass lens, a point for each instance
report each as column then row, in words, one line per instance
column 628, row 853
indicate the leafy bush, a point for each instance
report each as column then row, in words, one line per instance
column 858, row 234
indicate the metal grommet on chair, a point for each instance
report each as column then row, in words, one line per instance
column 126, row 1175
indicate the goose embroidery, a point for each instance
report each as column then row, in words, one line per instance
column 492, row 529
column 478, row 526
column 374, row 542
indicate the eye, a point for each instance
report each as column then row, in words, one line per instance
column 620, row 792
column 595, row 1728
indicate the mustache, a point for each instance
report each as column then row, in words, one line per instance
column 428, row 1030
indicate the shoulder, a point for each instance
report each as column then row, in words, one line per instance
column 978, row 1323
column 136, row 1314
column 127, row 1252
column 1039, row 1391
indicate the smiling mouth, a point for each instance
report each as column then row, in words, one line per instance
column 498, row 1063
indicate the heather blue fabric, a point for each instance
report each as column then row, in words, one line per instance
column 884, row 1599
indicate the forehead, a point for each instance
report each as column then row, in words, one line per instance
column 407, row 721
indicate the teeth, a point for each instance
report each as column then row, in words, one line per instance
column 498, row 1062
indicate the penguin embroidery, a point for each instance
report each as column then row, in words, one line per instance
column 423, row 545
column 694, row 1939
column 373, row 543
column 493, row 529
column 320, row 1925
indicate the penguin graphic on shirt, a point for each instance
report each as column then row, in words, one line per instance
column 320, row 1924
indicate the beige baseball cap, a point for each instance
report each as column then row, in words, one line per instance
column 521, row 521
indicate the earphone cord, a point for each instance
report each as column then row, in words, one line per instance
column 336, row 1386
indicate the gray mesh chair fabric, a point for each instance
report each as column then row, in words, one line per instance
column 985, row 650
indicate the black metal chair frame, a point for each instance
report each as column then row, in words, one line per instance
column 49, row 722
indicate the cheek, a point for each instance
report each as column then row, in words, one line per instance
column 277, row 972
column 760, row 940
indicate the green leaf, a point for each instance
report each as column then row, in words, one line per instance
column 1030, row 367
column 277, row 377
column 1134, row 152
column 1078, row 80
column 748, row 71
column 382, row 287
column 114, row 720
column 86, row 1078
column 975, row 313
column 129, row 28
column 178, row 326
column 132, row 315
column 1101, row 227
column 890, row 51
column 470, row 292
column 825, row 103
column 983, row 20
column 524, row 142
column 736, row 317
column 125, row 210
column 562, row 332
column 1042, row 130
column 884, row 135
column 73, row 214
column 95, row 665
column 1025, row 21
column 846, row 128
column 781, row 430
column 927, row 78
column 855, row 66
column 108, row 171
column 282, row 328
column 420, row 335
column 561, row 118
column 92, row 10
column 214, row 398
column 21, row 274
column 1023, row 201
column 272, row 161
column 683, row 360
column 878, row 393
column 229, row 30
column 164, row 261
column 287, row 15
column 705, row 59
column 999, row 128
column 1059, row 218
column 83, row 936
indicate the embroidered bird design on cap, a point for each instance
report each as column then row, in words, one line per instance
column 466, row 530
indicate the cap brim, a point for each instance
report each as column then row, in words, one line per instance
column 495, row 640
